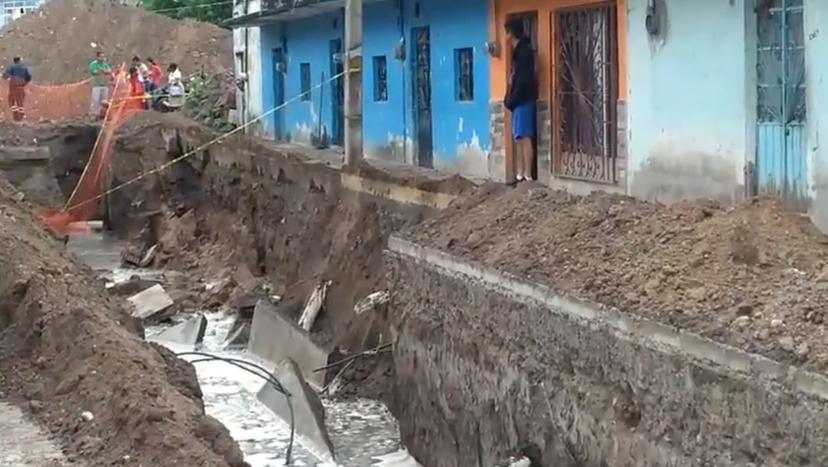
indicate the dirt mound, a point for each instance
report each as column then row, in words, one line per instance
column 753, row 276
column 57, row 40
column 67, row 348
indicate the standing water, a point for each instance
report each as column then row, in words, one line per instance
column 363, row 431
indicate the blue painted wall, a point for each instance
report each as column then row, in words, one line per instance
column 460, row 129
column 691, row 100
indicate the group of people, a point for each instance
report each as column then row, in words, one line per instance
column 143, row 79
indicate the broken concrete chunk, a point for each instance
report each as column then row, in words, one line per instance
column 315, row 303
column 186, row 334
column 131, row 286
column 273, row 337
column 239, row 334
column 150, row 302
column 308, row 412
column 245, row 279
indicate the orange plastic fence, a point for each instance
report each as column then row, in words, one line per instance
column 58, row 102
column 84, row 202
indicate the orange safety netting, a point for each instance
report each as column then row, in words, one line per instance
column 84, row 202
column 57, row 102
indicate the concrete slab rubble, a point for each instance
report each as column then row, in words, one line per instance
column 308, row 412
column 150, row 302
column 274, row 338
column 239, row 334
column 132, row 286
column 186, row 334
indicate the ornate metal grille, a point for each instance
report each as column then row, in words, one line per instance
column 586, row 90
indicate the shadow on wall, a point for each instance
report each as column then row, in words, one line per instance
column 672, row 177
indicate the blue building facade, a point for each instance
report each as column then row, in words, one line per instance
column 425, row 80
column 13, row 9
column 730, row 106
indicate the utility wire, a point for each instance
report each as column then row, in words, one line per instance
column 261, row 373
column 349, row 358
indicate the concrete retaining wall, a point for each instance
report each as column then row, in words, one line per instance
column 489, row 365
column 29, row 168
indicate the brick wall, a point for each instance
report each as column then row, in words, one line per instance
column 497, row 136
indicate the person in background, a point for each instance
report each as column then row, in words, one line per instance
column 18, row 77
column 174, row 75
column 521, row 98
column 143, row 70
column 155, row 74
column 101, row 73
column 136, row 90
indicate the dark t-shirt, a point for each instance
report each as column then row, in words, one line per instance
column 523, row 84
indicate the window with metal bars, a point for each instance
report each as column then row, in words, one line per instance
column 305, row 80
column 380, row 79
column 464, row 74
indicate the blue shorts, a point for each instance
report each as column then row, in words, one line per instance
column 523, row 121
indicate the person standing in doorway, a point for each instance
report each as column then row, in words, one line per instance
column 101, row 73
column 521, row 99
column 18, row 77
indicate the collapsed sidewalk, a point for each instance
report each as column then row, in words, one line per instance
column 76, row 360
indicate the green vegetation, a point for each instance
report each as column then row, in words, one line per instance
column 211, row 11
column 206, row 103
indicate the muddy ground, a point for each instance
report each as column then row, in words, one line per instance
column 67, row 348
column 754, row 276
column 58, row 41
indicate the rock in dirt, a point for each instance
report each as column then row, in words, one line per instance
column 184, row 335
column 150, row 302
column 308, row 412
column 132, row 286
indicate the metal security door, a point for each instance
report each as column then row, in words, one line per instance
column 421, row 80
column 337, row 93
column 781, row 111
column 586, row 93
column 278, row 93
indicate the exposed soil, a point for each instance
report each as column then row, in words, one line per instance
column 285, row 218
column 754, row 276
column 57, row 41
column 67, row 347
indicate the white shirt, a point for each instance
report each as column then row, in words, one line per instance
column 174, row 77
column 143, row 71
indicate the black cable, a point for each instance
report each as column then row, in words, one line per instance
column 353, row 357
column 267, row 376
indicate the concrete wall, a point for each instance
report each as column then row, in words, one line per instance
column 489, row 365
column 688, row 102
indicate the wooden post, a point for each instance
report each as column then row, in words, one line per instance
column 353, row 82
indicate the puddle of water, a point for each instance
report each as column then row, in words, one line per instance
column 363, row 432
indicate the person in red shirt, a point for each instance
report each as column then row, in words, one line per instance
column 136, row 91
column 155, row 75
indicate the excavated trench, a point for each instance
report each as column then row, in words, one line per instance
column 286, row 219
